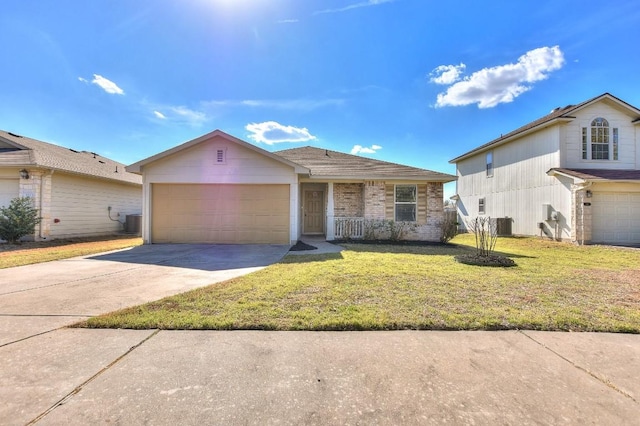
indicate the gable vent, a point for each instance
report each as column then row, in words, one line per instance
column 220, row 156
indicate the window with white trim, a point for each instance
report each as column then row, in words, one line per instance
column 481, row 206
column 489, row 164
column 406, row 203
column 599, row 141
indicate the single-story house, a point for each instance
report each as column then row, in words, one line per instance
column 220, row 189
column 573, row 174
column 77, row 193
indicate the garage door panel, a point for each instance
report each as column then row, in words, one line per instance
column 616, row 217
column 201, row 213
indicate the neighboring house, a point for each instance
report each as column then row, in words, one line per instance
column 72, row 190
column 220, row 189
column 573, row 175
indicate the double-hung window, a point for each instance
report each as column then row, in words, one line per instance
column 406, row 207
column 489, row 164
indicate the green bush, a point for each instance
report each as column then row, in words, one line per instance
column 18, row 220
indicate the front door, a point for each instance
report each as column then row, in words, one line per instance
column 313, row 212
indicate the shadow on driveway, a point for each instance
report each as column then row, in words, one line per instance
column 206, row 257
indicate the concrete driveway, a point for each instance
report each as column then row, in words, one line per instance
column 38, row 298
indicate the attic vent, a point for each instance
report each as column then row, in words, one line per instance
column 73, row 150
column 14, row 135
column 220, row 156
column 100, row 161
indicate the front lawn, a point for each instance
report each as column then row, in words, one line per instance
column 45, row 251
column 555, row 286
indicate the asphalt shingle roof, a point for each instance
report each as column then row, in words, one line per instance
column 333, row 164
column 600, row 174
column 35, row 153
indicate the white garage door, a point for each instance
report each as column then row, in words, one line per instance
column 616, row 217
column 226, row 214
column 9, row 189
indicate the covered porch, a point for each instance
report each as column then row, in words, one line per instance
column 338, row 210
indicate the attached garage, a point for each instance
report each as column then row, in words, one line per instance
column 218, row 189
column 616, row 217
column 220, row 213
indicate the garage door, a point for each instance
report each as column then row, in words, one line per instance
column 616, row 217
column 226, row 214
column 9, row 189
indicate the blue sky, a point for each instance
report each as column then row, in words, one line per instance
column 416, row 82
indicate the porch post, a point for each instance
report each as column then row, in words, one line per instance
column 330, row 236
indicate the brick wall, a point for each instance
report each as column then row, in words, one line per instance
column 347, row 199
column 374, row 194
column 581, row 217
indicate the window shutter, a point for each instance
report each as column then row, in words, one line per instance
column 389, row 202
column 422, row 204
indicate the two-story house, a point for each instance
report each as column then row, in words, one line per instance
column 572, row 175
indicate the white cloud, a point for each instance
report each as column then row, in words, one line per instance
column 359, row 149
column 159, row 115
column 283, row 104
column 447, row 74
column 184, row 114
column 84, row 80
column 502, row 84
column 271, row 132
column 366, row 3
column 287, row 21
column 107, row 85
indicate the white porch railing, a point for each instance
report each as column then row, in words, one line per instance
column 348, row 227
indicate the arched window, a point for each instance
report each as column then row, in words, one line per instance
column 602, row 139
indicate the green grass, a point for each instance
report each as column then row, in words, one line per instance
column 556, row 286
column 46, row 251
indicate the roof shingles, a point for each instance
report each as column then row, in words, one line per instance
column 325, row 163
column 35, row 153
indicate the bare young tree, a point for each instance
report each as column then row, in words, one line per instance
column 486, row 233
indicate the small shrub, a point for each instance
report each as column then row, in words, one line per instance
column 398, row 230
column 449, row 229
column 18, row 219
column 373, row 229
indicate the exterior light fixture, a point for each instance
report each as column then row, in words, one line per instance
column 24, row 174
column 589, row 194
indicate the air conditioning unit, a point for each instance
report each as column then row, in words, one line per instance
column 503, row 226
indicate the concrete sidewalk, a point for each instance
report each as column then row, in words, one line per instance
column 78, row 376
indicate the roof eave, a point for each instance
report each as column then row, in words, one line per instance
column 443, row 179
column 137, row 167
column 505, row 140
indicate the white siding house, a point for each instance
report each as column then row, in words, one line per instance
column 571, row 175
column 72, row 190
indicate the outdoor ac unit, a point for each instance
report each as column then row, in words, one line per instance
column 547, row 211
column 503, row 226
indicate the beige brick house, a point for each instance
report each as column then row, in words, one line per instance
column 71, row 189
column 220, row 189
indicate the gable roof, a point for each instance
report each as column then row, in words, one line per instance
column 557, row 115
column 137, row 167
column 602, row 175
column 327, row 164
column 20, row 151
